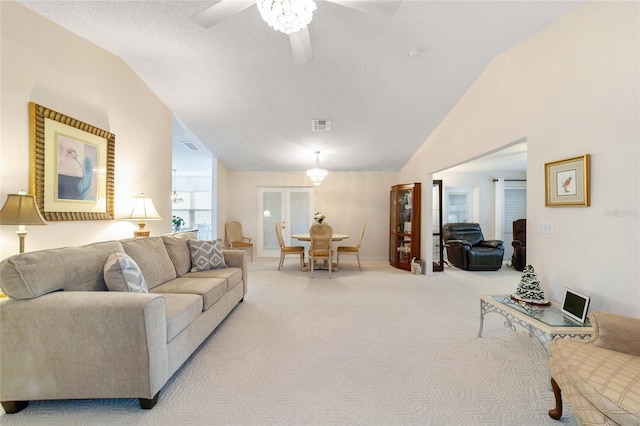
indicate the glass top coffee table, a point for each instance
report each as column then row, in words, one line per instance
column 543, row 322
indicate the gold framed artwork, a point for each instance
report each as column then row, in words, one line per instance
column 72, row 166
column 567, row 182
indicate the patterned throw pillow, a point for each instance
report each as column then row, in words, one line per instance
column 206, row 255
column 122, row 273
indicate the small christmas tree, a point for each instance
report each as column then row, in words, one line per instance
column 528, row 290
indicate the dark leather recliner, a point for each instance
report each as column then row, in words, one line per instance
column 467, row 248
column 519, row 243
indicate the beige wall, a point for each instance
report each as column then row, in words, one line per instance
column 43, row 63
column 571, row 89
column 347, row 199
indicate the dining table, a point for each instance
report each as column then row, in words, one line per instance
column 307, row 237
column 323, row 265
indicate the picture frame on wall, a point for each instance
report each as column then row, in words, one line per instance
column 567, row 182
column 71, row 166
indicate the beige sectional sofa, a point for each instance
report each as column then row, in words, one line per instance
column 63, row 335
column 599, row 378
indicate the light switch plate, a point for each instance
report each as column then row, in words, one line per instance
column 545, row 228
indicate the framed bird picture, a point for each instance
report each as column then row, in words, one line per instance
column 567, row 182
column 72, row 166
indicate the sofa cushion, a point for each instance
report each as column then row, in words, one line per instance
column 232, row 275
column 153, row 259
column 608, row 379
column 178, row 250
column 206, row 255
column 210, row 289
column 29, row 275
column 122, row 273
column 181, row 310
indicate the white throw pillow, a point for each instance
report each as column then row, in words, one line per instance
column 206, row 255
column 122, row 273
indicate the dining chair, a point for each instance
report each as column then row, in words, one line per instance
column 320, row 245
column 235, row 238
column 351, row 249
column 284, row 250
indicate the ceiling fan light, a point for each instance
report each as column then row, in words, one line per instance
column 287, row 16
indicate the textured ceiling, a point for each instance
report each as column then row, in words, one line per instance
column 237, row 89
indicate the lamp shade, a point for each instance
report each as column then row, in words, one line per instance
column 21, row 209
column 143, row 208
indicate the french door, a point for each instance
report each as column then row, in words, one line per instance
column 289, row 207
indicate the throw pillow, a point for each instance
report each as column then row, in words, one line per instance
column 206, row 255
column 122, row 273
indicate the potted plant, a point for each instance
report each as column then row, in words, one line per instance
column 177, row 222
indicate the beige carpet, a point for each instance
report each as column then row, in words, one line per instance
column 377, row 347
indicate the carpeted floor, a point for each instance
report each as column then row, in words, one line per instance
column 377, row 347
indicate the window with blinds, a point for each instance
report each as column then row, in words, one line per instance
column 515, row 207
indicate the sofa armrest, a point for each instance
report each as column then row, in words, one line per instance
column 452, row 243
column 237, row 258
column 491, row 243
column 616, row 332
column 72, row 344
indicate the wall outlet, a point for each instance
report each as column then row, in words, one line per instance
column 545, row 228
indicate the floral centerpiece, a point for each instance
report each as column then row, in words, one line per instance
column 177, row 222
column 319, row 217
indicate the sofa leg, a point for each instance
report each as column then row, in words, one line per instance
column 556, row 413
column 148, row 404
column 12, row 407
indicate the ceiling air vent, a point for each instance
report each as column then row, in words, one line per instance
column 191, row 146
column 321, row 125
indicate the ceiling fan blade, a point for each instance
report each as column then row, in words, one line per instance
column 220, row 11
column 301, row 46
column 381, row 8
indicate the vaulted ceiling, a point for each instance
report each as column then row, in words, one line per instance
column 385, row 83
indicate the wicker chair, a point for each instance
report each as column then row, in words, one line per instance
column 235, row 238
column 320, row 246
column 284, row 250
column 351, row 249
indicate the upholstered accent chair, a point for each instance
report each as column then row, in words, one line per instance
column 599, row 378
column 236, row 239
column 467, row 248
column 320, row 245
column 284, row 250
column 519, row 243
column 352, row 249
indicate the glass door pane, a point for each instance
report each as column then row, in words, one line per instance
column 288, row 207
column 272, row 213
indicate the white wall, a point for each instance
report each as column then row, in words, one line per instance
column 46, row 64
column 347, row 199
column 573, row 88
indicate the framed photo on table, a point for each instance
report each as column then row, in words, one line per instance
column 72, row 166
column 567, row 182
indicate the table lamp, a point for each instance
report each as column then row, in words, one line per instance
column 21, row 209
column 143, row 209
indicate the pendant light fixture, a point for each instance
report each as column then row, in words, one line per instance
column 317, row 174
column 175, row 198
column 287, row 16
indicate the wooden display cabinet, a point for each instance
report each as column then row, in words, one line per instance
column 404, row 225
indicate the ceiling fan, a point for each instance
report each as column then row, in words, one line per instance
column 290, row 17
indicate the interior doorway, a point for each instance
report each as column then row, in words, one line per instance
column 289, row 207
